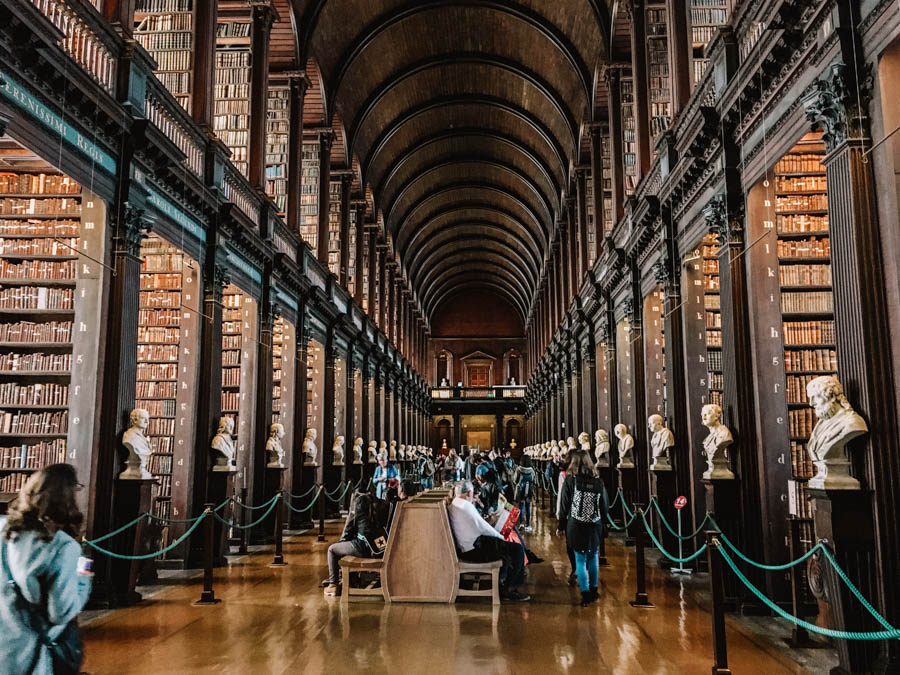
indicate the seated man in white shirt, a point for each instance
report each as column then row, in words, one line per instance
column 477, row 541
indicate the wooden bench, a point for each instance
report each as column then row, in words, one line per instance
column 491, row 569
column 351, row 564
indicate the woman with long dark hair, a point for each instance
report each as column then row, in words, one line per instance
column 584, row 505
column 365, row 523
column 45, row 582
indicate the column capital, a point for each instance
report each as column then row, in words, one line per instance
column 838, row 106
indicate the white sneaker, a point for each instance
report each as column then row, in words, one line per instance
column 528, row 528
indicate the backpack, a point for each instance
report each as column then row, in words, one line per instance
column 525, row 488
column 428, row 468
column 586, row 507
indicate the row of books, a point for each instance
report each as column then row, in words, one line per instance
column 39, row 270
column 16, row 206
column 38, row 184
column 159, row 317
column 711, row 282
column 231, row 377
column 810, row 359
column 713, row 338
column 162, row 299
column 161, row 281
column 158, row 335
column 801, row 183
column 716, row 380
column 232, row 341
column 38, row 246
column 162, row 263
column 157, row 371
column 164, row 23
column 180, row 60
column 236, row 90
column 177, row 82
column 805, row 275
column 804, row 248
column 156, row 352
column 801, row 506
column 160, row 464
column 230, row 400
column 34, row 422
column 164, row 485
column 716, row 397
column 37, row 297
column 156, row 389
column 157, row 408
column 800, row 163
column 817, row 302
column 796, row 387
column 801, row 422
column 161, row 426
column 231, row 357
column 713, row 320
column 170, row 39
column 801, row 224
column 801, row 463
column 35, row 362
column 33, row 456
column 51, row 228
column 714, row 361
column 43, row 393
column 801, row 202
column 809, row 332
column 29, row 331
column 13, row 482
column 143, row 6
column 162, row 444
column 712, row 301
column 233, row 29
column 228, row 60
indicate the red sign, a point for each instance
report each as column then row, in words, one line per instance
column 681, row 502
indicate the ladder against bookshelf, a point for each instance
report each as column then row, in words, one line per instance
column 713, row 314
column 277, row 139
column 334, row 228
column 165, row 28
column 231, row 118
column 239, row 341
column 309, row 194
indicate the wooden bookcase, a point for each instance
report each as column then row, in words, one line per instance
column 629, row 134
column 364, row 270
column 278, row 106
column 309, row 194
column 589, row 213
column 655, row 353
column 352, row 234
column 165, row 28
column 239, row 348
column 706, row 17
column 713, row 318
column 334, row 228
column 607, row 183
column 231, row 116
column 658, row 69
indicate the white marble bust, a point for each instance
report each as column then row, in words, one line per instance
column 309, row 449
column 223, row 446
column 382, row 450
column 601, row 447
column 584, row 441
column 373, row 452
column 273, row 447
column 357, row 450
column 625, row 447
column 661, row 439
column 837, row 425
column 401, row 452
column 392, row 453
column 564, row 449
column 715, row 445
column 570, row 444
column 138, row 447
column 337, row 451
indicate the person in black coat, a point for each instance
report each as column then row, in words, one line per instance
column 584, row 508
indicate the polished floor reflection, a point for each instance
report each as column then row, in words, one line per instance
column 275, row 620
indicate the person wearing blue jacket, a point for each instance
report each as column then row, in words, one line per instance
column 45, row 583
column 384, row 473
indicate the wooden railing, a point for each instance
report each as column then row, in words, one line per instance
column 507, row 391
column 174, row 122
column 238, row 191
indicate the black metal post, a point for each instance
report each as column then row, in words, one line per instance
column 799, row 635
column 717, row 591
column 278, row 561
column 208, row 596
column 640, row 594
column 245, row 535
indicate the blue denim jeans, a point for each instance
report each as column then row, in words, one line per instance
column 586, row 569
column 427, row 482
column 525, row 508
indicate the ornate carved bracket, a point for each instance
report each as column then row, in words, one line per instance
column 724, row 220
column 838, row 108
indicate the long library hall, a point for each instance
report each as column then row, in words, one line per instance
column 516, row 335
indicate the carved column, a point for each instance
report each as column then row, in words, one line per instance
column 612, row 75
column 256, row 466
column 203, row 98
column 346, row 181
column 360, row 253
column 595, row 133
column 572, row 252
column 298, row 86
column 681, row 73
column 263, row 14
column 581, row 212
column 326, row 139
column 637, row 19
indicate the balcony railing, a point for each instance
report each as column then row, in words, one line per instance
column 499, row 392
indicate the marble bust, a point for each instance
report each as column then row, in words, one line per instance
column 564, row 449
column 337, row 451
column 382, row 450
column 309, row 449
column 625, row 447
column 401, row 452
column 273, row 447
column 138, row 447
column 661, row 439
column 392, row 452
column 584, row 441
column 716, row 444
column 373, row 452
column 223, row 446
column 357, row 450
column 601, row 447
column 837, row 425
column 570, row 445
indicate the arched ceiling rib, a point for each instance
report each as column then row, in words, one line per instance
column 465, row 120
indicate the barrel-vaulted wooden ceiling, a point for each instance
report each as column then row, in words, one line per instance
column 465, row 119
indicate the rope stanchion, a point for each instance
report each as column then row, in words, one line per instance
column 278, row 560
column 245, row 533
column 147, row 556
column 640, row 595
column 717, row 592
column 682, row 537
column 308, row 506
column 208, row 595
column 668, row 555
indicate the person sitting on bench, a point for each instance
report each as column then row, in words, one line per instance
column 477, row 541
column 365, row 522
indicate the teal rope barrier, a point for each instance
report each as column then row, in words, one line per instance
column 308, row 492
column 662, row 518
column 120, row 530
column 771, row 568
column 673, row 558
column 336, row 489
column 250, row 508
column 271, row 504
column 627, row 510
column 616, row 498
column 889, row 634
column 147, row 556
column 309, row 506
column 339, row 499
column 853, row 589
column 625, row 524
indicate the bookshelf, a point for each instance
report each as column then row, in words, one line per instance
column 40, row 224
column 231, row 116
column 658, row 69
column 165, row 28
column 606, row 159
column 807, row 307
column 315, row 359
column 309, row 194
column 364, row 270
column 629, row 137
column 334, row 228
column 239, row 348
column 706, row 17
column 655, row 352
column 589, row 212
column 278, row 355
column 713, row 318
column 351, row 253
column 277, row 139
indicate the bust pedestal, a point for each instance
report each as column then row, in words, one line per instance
column 723, row 499
column 308, row 478
column 844, row 518
column 628, row 483
column 133, row 497
column 220, row 486
column 264, row 532
column 662, row 486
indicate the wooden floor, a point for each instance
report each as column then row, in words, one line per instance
column 275, row 620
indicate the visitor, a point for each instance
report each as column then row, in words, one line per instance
column 584, row 507
column 471, row 464
column 426, row 469
column 478, row 541
column 46, row 582
column 524, row 482
column 386, row 475
column 364, row 535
